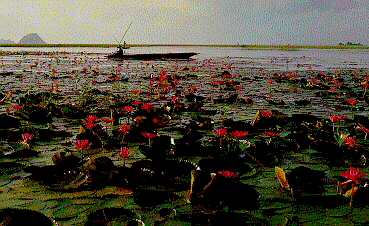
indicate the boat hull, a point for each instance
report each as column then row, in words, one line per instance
column 152, row 56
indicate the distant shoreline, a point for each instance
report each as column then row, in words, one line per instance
column 281, row 47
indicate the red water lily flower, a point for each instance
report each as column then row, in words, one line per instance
column 128, row 109
column 107, row 120
column 239, row 133
column 352, row 102
column 16, row 107
column 271, row 134
column 220, row 132
column 82, row 144
column 351, row 142
column 147, row 106
column 90, row 121
column 27, row 137
column 124, row 152
column 124, row 128
column 92, row 118
column 174, row 99
column 353, row 174
column 149, row 135
column 266, row 114
column 163, row 76
column 90, row 125
column 136, row 102
column 228, row 174
column 337, row 118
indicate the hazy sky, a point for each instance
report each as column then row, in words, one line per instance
column 188, row 21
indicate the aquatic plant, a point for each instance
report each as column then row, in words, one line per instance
column 354, row 177
column 128, row 109
column 82, row 144
column 350, row 142
column 337, row 118
column 124, row 128
column 238, row 134
column 90, row 121
column 147, row 107
column 271, row 134
column 266, row 113
column 14, row 108
column 220, row 132
column 149, row 136
column 27, row 137
column 228, row 174
column 124, row 153
column 352, row 102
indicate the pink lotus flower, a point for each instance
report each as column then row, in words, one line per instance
column 353, row 174
column 82, row 144
column 220, row 132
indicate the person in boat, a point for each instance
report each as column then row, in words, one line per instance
column 120, row 50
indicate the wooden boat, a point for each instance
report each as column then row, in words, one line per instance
column 151, row 56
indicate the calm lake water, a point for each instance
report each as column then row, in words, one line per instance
column 314, row 58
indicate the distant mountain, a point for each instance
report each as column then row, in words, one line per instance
column 5, row 41
column 32, row 38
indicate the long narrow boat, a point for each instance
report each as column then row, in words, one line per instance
column 151, row 56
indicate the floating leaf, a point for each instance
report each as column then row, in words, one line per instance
column 284, row 134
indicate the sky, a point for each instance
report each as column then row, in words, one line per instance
column 316, row 22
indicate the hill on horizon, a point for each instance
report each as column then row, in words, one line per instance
column 32, row 38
